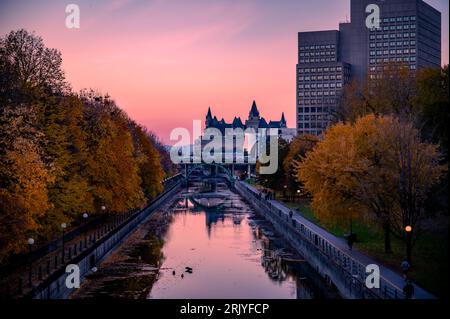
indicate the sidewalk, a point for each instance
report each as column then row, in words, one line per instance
column 387, row 274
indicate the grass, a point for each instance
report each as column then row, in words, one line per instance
column 430, row 254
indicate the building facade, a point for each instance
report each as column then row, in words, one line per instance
column 254, row 121
column 409, row 32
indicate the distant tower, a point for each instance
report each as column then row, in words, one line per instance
column 283, row 120
column 253, row 117
column 208, row 117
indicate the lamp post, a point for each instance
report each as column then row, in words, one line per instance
column 63, row 227
column 298, row 195
column 30, row 248
column 408, row 230
column 85, row 217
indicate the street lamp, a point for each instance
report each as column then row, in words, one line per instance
column 85, row 217
column 30, row 247
column 408, row 230
column 63, row 227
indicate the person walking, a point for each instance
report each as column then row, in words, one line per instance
column 405, row 268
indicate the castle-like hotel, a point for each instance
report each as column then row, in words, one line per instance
column 254, row 121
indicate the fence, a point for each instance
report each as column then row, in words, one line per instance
column 49, row 260
column 333, row 262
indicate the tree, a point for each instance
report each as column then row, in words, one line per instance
column 377, row 165
column 28, row 62
column 298, row 148
column 23, row 179
column 275, row 181
column 148, row 159
column 112, row 169
column 390, row 90
column 432, row 105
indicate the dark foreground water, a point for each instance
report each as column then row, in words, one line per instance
column 208, row 253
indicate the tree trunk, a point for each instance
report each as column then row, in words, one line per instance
column 387, row 237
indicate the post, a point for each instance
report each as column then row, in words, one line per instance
column 63, row 227
column 30, row 246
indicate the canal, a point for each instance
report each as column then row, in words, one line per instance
column 214, row 247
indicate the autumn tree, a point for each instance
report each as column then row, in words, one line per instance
column 298, row 148
column 390, row 90
column 277, row 180
column 148, row 159
column 112, row 170
column 27, row 62
column 379, row 166
column 23, row 178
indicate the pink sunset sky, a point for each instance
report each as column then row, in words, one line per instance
column 165, row 62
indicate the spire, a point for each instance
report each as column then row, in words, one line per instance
column 209, row 115
column 283, row 120
column 254, row 110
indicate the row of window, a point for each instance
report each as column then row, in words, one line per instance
column 320, row 85
column 317, row 53
column 395, row 27
column 317, row 47
column 320, row 77
column 327, row 101
column 318, row 93
column 314, row 117
column 380, row 76
column 319, row 70
column 392, row 52
column 312, row 132
column 392, row 43
column 392, row 35
column 398, row 19
column 392, row 59
column 333, row 59
column 313, row 125
column 313, row 109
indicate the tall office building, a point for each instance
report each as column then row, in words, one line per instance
column 409, row 32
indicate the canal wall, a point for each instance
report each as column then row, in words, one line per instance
column 54, row 287
column 327, row 254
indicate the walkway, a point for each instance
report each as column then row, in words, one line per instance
column 387, row 274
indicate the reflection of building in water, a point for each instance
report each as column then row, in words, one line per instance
column 272, row 262
column 213, row 217
column 304, row 291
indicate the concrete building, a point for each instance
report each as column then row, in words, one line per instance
column 409, row 32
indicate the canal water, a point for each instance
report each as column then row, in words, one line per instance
column 214, row 248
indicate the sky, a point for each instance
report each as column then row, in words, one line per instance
column 165, row 61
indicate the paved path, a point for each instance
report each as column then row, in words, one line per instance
column 388, row 275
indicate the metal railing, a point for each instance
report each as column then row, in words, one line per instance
column 350, row 267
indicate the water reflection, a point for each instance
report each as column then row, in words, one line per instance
column 233, row 254
column 192, row 252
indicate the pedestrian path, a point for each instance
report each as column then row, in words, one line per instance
column 387, row 274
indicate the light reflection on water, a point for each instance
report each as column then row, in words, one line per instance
column 230, row 257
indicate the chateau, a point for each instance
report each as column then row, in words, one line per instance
column 254, row 121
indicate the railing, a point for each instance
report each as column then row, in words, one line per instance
column 350, row 267
column 17, row 279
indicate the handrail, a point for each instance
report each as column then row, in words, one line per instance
column 385, row 284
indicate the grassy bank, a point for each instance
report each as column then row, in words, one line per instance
column 430, row 254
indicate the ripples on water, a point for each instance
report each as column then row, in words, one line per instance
column 212, row 253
